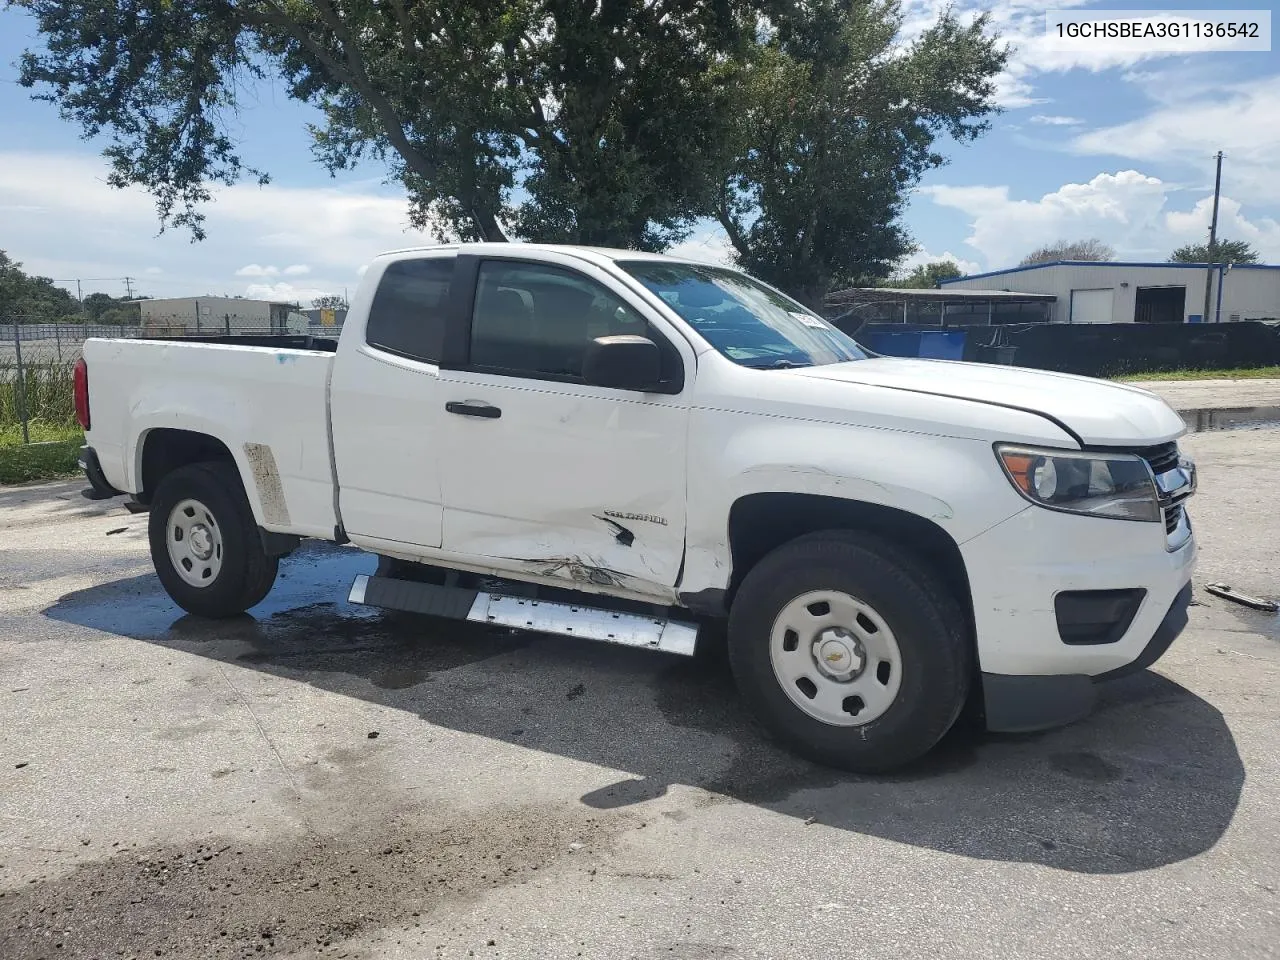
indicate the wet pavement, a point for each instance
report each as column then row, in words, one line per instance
column 1194, row 395
column 319, row 779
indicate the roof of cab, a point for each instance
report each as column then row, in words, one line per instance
column 587, row 253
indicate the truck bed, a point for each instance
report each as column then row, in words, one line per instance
column 281, row 342
column 264, row 398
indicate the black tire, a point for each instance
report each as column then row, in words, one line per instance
column 929, row 626
column 246, row 574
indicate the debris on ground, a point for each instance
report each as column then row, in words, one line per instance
column 113, row 532
column 1224, row 591
column 373, row 734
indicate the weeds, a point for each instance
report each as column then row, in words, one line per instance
column 48, row 384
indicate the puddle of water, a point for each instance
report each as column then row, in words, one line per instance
column 1230, row 418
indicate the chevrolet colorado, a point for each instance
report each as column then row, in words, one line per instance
column 633, row 448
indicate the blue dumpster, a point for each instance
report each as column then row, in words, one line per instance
column 893, row 343
column 942, row 344
column 934, row 344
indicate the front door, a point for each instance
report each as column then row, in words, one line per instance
column 545, row 475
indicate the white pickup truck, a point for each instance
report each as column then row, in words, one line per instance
column 631, row 448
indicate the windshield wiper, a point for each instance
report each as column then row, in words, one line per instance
column 777, row 365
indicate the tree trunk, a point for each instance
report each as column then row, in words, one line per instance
column 487, row 226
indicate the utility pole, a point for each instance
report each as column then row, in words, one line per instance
column 80, row 298
column 128, row 281
column 1213, row 240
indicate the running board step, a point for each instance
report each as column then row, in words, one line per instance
column 522, row 613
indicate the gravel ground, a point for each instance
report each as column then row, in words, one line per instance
column 323, row 780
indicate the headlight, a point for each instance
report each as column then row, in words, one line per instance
column 1095, row 484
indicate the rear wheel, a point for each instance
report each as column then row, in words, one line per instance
column 205, row 544
column 850, row 651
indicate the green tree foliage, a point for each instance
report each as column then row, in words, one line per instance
column 1224, row 251
column 104, row 308
column 927, row 276
column 330, row 301
column 799, row 124
column 1091, row 249
column 839, row 119
column 28, row 299
column 592, row 123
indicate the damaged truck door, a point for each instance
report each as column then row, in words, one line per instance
column 544, row 473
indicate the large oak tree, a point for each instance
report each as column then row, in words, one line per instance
column 799, row 124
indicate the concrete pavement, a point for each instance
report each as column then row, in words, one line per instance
column 322, row 780
column 1187, row 395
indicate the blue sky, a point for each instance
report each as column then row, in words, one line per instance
column 1112, row 144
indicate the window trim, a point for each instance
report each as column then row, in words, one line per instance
column 458, row 346
column 445, row 310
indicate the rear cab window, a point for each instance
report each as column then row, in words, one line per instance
column 408, row 314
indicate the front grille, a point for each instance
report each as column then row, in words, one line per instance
column 1161, row 457
column 1172, row 515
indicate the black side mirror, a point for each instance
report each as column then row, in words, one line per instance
column 622, row 362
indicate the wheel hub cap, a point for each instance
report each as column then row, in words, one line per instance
column 836, row 657
column 194, row 543
column 201, row 542
column 838, row 654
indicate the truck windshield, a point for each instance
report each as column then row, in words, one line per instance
column 746, row 321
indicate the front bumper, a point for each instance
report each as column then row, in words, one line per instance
column 1017, row 568
column 1032, row 679
column 1018, row 704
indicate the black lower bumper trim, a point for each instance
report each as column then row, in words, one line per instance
column 1175, row 620
column 93, row 473
column 1022, row 704
column 1019, row 704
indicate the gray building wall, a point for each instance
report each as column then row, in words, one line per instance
column 1248, row 292
column 179, row 314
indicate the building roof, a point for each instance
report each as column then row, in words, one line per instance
column 1112, row 263
column 211, row 296
column 897, row 294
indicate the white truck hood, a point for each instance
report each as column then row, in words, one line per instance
column 1097, row 411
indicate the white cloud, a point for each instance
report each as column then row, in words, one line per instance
column 1127, row 209
column 284, row 292
column 1021, row 24
column 707, row 244
column 1191, row 226
column 1049, row 120
column 1242, row 119
column 71, row 223
column 923, row 256
column 269, row 270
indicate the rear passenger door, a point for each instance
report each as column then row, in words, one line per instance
column 385, row 408
column 548, row 476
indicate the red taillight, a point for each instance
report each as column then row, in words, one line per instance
column 81, row 380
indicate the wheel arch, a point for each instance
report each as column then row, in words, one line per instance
column 762, row 522
column 161, row 450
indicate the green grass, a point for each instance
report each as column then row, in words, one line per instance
column 55, row 437
column 1249, row 373
column 48, row 392
column 52, row 454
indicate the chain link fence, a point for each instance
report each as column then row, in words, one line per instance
column 37, row 361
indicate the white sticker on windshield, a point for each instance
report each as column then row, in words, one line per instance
column 809, row 321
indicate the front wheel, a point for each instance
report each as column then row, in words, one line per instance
column 205, row 544
column 850, row 651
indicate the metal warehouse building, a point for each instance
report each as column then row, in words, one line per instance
column 1117, row 292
